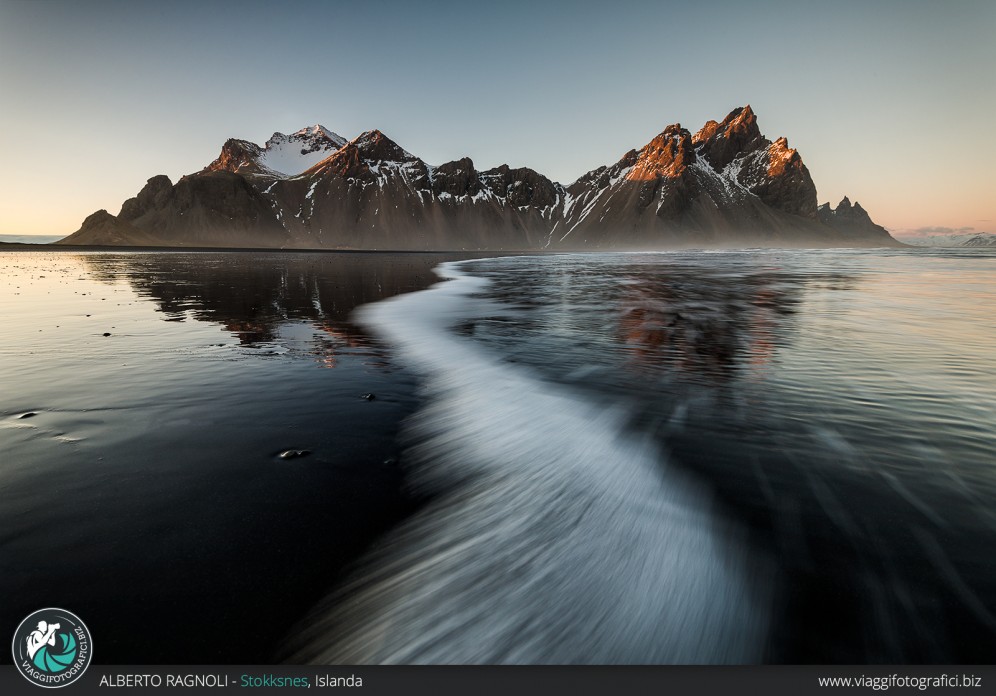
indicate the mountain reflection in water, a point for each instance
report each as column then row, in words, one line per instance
column 256, row 296
column 587, row 415
column 837, row 405
column 162, row 388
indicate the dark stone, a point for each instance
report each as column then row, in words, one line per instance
column 294, row 454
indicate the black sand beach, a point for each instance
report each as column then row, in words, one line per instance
column 147, row 490
column 687, row 457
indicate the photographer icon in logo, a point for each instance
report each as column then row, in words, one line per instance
column 52, row 648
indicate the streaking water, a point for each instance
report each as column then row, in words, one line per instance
column 678, row 426
column 838, row 405
column 554, row 537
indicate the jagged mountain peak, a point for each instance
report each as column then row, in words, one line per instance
column 782, row 158
column 318, row 130
column 521, row 186
column 725, row 185
column 462, row 164
column 673, row 132
column 735, row 135
column 846, row 213
column 313, row 136
column 667, row 155
column 741, row 122
column 374, row 145
column 742, row 114
column 363, row 156
column 281, row 156
column 845, row 207
column 239, row 156
column 706, row 132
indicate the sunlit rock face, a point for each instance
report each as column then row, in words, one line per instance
column 726, row 185
column 778, row 177
column 668, row 156
column 736, row 135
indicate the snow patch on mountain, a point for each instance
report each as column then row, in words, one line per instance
column 948, row 240
column 290, row 155
column 983, row 239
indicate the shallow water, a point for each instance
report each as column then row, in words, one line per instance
column 30, row 238
column 822, row 427
column 697, row 456
column 145, row 493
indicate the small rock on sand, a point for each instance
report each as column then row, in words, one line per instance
column 294, row 454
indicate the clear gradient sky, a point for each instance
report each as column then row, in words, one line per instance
column 890, row 103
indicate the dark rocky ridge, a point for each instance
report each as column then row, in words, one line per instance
column 238, row 157
column 726, row 185
column 848, row 219
column 102, row 228
column 215, row 208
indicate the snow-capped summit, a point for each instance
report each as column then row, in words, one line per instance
column 281, row 156
column 318, row 130
column 293, row 154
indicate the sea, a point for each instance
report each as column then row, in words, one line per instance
column 31, row 238
column 750, row 456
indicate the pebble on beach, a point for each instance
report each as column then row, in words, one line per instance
column 293, row 454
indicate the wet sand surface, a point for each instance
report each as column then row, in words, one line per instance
column 147, row 398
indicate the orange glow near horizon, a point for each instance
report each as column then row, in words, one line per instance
column 902, row 207
column 887, row 104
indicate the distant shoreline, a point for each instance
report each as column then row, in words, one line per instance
column 24, row 246
column 481, row 253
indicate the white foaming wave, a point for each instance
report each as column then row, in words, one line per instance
column 552, row 536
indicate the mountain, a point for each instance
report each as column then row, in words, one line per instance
column 850, row 220
column 373, row 194
column 725, row 185
column 983, row 239
column 281, row 156
column 963, row 239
